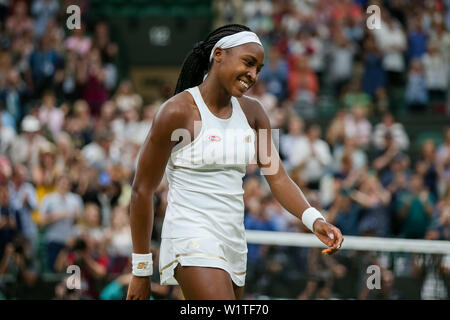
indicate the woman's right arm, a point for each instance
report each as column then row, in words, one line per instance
column 150, row 169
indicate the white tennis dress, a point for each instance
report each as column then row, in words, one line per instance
column 204, row 219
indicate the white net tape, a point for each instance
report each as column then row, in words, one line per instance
column 350, row 242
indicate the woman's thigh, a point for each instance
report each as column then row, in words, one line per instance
column 202, row 283
column 238, row 291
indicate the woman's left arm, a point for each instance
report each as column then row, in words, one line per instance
column 283, row 188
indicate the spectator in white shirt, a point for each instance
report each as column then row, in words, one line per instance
column 312, row 155
column 341, row 64
column 103, row 151
column 436, row 73
column 294, row 134
column 357, row 126
column 26, row 147
column 127, row 127
column 59, row 212
column 118, row 240
column 125, row 97
column 391, row 39
column 358, row 156
column 49, row 115
column 396, row 130
column 24, row 200
column 145, row 124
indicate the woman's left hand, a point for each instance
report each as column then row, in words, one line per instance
column 328, row 234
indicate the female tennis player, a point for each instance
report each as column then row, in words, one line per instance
column 203, row 245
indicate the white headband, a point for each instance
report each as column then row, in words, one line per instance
column 235, row 40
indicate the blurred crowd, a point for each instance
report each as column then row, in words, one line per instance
column 71, row 128
column 70, row 132
column 360, row 169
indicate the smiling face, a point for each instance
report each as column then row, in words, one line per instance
column 238, row 67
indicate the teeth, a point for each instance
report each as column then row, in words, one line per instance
column 244, row 84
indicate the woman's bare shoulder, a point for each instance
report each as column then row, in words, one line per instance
column 176, row 111
column 180, row 104
column 253, row 110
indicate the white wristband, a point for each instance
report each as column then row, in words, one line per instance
column 142, row 264
column 309, row 216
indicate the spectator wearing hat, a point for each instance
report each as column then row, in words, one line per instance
column 26, row 147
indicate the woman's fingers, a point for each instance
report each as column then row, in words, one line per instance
column 336, row 236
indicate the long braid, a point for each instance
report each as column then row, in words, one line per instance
column 196, row 63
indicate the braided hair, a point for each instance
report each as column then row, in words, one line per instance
column 197, row 62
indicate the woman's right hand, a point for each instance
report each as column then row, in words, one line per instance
column 139, row 288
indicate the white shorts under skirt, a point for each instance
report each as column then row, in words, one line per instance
column 201, row 252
